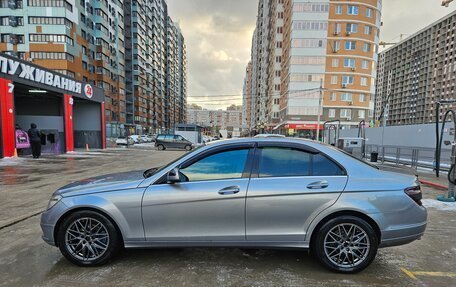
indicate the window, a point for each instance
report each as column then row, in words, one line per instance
column 362, row 98
column 338, row 9
column 350, row 45
column 352, row 10
column 11, row 21
column 363, row 81
column 50, row 3
column 349, row 63
column 338, row 28
column 334, row 80
column 346, row 97
column 308, row 43
column 310, row 25
column 336, row 46
column 333, row 96
column 365, row 64
column 367, row 47
column 222, row 165
column 369, row 12
column 285, row 162
column 347, row 80
column 50, row 21
column 52, row 55
column 50, row 38
column 361, row 114
column 335, row 62
column 351, row 28
column 345, row 113
column 367, row 30
column 332, row 113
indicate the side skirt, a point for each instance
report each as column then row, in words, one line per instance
column 233, row 244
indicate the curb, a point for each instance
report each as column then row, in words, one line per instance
column 433, row 184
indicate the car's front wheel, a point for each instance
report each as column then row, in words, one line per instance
column 88, row 238
column 346, row 244
column 161, row 147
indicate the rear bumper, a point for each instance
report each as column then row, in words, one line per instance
column 403, row 235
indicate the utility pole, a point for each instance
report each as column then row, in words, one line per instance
column 320, row 99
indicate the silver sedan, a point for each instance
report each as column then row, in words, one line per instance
column 259, row 192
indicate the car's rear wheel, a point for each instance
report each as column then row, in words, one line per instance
column 346, row 244
column 188, row 147
column 161, row 147
column 88, row 238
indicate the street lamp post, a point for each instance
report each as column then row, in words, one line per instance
column 320, row 99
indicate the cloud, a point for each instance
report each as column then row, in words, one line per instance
column 218, row 36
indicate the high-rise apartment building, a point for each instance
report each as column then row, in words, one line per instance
column 131, row 49
column 156, row 72
column 416, row 73
column 325, row 53
column 81, row 39
column 247, row 97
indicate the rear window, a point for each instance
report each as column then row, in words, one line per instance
column 285, row 162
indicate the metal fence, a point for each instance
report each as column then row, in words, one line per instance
column 412, row 156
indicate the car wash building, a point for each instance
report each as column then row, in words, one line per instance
column 69, row 113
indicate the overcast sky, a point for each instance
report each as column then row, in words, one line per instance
column 218, row 35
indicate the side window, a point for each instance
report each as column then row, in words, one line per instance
column 324, row 166
column 169, row 137
column 160, row 137
column 283, row 162
column 178, row 138
column 222, row 165
column 280, row 162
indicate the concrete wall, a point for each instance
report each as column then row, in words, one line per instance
column 407, row 135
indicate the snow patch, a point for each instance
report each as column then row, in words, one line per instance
column 440, row 205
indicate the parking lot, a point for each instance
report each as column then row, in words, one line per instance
column 25, row 260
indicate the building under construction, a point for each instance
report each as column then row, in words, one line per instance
column 416, row 73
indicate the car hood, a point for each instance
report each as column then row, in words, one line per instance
column 109, row 182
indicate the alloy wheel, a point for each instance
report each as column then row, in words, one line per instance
column 346, row 245
column 87, row 239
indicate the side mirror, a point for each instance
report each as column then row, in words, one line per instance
column 447, row 142
column 173, row 176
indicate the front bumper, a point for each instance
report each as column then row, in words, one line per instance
column 49, row 220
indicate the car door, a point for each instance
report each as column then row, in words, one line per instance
column 179, row 141
column 207, row 205
column 290, row 184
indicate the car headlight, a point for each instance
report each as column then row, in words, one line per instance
column 53, row 201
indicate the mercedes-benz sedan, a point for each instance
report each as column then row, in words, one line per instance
column 261, row 193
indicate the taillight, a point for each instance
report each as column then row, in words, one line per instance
column 414, row 192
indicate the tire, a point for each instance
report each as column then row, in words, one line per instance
column 160, row 147
column 188, row 147
column 363, row 244
column 92, row 250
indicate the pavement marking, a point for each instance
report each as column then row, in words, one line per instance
column 412, row 274
column 435, row 274
column 408, row 273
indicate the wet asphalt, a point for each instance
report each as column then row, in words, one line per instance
column 25, row 260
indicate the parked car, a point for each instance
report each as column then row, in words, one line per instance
column 122, row 140
column 269, row 136
column 146, row 138
column 136, row 138
column 269, row 192
column 165, row 141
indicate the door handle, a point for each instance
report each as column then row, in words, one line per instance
column 229, row 190
column 318, row 184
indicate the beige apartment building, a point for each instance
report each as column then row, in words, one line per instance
column 327, row 55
